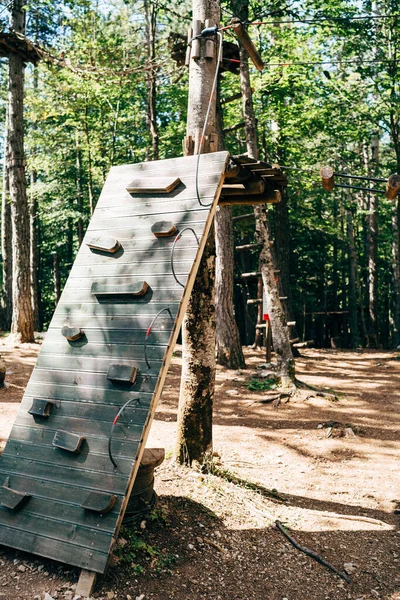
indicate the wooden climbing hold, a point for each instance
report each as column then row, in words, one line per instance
column 153, row 185
column 65, row 440
column 164, row 229
column 122, row 373
column 99, row 502
column 41, row 407
column 12, row 499
column 104, row 244
column 134, row 288
column 72, row 334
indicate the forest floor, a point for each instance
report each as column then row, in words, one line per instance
column 213, row 536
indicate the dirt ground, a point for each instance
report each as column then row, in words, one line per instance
column 332, row 467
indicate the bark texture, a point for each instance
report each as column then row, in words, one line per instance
column 229, row 348
column 194, row 435
column 6, row 237
column 151, row 22
column 353, row 305
column 280, row 332
column 194, row 438
column 228, row 344
column 22, row 319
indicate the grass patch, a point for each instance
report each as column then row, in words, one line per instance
column 262, row 385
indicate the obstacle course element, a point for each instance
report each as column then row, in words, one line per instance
column 70, row 463
column 251, row 181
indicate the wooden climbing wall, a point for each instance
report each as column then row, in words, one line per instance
column 68, row 468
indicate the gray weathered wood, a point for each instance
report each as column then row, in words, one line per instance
column 158, row 185
column 73, row 374
column 86, row 583
column 68, row 441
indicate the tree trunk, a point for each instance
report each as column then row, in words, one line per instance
column 280, row 332
column 151, row 22
column 56, row 278
column 352, row 256
column 22, row 320
column 372, row 200
column 79, row 188
column 194, row 436
column 34, row 253
column 6, row 237
column 229, row 348
column 395, row 272
column 228, row 344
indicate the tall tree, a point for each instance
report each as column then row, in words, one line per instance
column 280, row 332
column 194, row 439
column 6, row 235
column 22, row 317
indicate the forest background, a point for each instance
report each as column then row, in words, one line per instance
column 329, row 94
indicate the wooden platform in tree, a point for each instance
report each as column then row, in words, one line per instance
column 64, row 484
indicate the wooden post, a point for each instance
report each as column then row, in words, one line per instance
column 247, row 44
column 328, row 179
column 392, row 187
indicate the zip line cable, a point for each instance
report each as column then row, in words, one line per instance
column 324, row 62
column 323, row 20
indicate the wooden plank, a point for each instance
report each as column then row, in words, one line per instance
column 151, row 185
column 93, row 365
column 138, row 323
column 161, row 250
column 93, row 350
column 243, row 189
column 93, row 480
column 86, row 583
column 37, row 434
column 140, row 269
column 82, row 423
column 67, row 552
column 84, row 310
column 95, row 395
column 86, row 462
column 100, row 335
column 41, row 407
column 46, row 506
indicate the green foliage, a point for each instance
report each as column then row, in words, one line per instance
column 91, row 112
column 262, row 385
column 137, row 554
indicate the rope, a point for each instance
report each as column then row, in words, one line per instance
column 148, row 332
column 119, row 413
column 178, row 237
column 206, row 120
